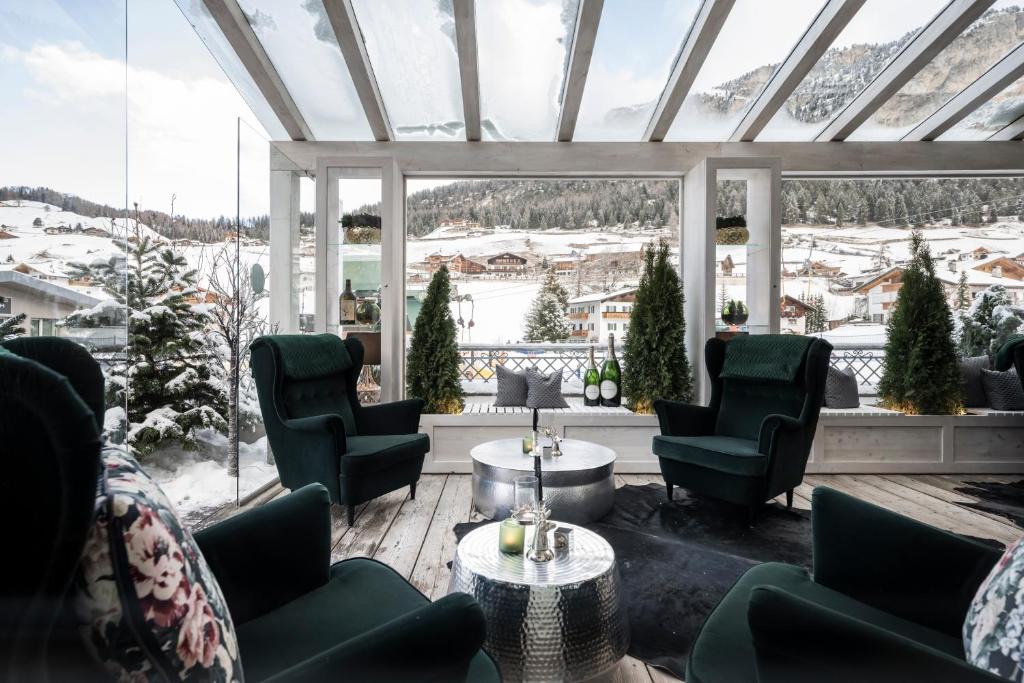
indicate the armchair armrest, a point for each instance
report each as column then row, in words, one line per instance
column 272, row 554
column 779, row 431
column 432, row 643
column 677, row 418
column 897, row 564
column 796, row 640
column 398, row 417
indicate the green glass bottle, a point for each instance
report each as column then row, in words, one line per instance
column 592, row 383
column 611, row 377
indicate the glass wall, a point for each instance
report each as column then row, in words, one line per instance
column 541, row 270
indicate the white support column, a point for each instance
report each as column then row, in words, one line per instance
column 698, row 280
column 284, row 251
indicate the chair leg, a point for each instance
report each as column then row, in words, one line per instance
column 351, row 514
column 789, row 499
column 752, row 512
column 412, row 491
column 668, row 491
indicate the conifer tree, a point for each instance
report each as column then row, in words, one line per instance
column 920, row 374
column 11, row 327
column 433, row 367
column 987, row 322
column 654, row 358
column 963, row 293
column 546, row 320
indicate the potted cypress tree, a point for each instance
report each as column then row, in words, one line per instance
column 433, row 369
column 656, row 365
column 920, row 375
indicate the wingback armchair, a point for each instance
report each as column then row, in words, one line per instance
column 297, row 616
column 317, row 428
column 752, row 441
column 886, row 602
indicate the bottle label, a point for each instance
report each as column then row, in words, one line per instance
column 348, row 311
column 609, row 389
column 591, row 391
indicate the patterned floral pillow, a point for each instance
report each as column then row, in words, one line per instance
column 149, row 606
column 994, row 629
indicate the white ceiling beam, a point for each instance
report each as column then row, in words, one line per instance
column 587, row 20
column 929, row 41
column 818, row 38
column 243, row 40
column 1003, row 73
column 350, row 40
column 469, row 70
column 698, row 43
column 632, row 159
column 1012, row 131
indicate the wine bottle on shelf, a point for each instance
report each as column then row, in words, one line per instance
column 611, row 377
column 592, row 383
column 347, row 305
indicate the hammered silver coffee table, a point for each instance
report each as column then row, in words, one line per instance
column 579, row 485
column 563, row 620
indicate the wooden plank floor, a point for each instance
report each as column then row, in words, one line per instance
column 415, row 536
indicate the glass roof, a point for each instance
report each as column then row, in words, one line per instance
column 206, row 27
column 412, row 49
column 972, row 53
column 739, row 66
column 623, row 85
column 873, row 37
column 991, row 117
column 300, row 42
column 523, row 50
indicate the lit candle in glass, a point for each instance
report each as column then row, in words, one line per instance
column 511, row 537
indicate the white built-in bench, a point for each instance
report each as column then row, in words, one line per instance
column 867, row 439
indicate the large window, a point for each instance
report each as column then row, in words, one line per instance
column 540, row 269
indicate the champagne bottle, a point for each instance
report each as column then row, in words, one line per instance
column 592, row 383
column 347, row 305
column 611, row 377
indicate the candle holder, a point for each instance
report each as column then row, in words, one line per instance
column 511, row 537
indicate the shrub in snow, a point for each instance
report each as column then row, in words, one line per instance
column 433, row 368
column 988, row 322
column 920, row 374
column 656, row 365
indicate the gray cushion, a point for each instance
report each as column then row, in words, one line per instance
column 512, row 388
column 545, row 391
column 1003, row 389
column 841, row 388
column 970, row 380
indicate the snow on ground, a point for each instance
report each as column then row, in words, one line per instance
column 499, row 309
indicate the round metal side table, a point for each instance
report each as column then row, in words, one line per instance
column 563, row 620
column 579, row 485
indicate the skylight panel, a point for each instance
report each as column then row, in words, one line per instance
column 991, row 117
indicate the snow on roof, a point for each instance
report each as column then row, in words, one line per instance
column 47, row 289
column 601, row 296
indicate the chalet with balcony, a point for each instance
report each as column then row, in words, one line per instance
column 460, row 264
column 595, row 316
column 506, row 264
column 793, row 314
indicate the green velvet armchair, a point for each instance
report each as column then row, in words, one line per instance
column 317, row 428
column 752, row 441
column 885, row 603
column 297, row 616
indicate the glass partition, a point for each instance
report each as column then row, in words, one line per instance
column 972, row 53
column 873, row 37
column 1000, row 111
column 411, row 46
column 523, row 48
column 623, row 85
column 747, row 52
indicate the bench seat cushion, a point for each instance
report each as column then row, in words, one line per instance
column 366, row 454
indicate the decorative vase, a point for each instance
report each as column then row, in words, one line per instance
column 367, row 312
column 731, row 230
column 735, row 312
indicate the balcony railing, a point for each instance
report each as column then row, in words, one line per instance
column 478, row 363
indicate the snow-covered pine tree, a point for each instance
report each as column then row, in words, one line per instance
column 546, row 320
column 166, row 377
column 920, row 374
column 987, row 322
column 11, row 327
column 815, row 318
column 654, row 357
column 433, row 368
column 963, row 293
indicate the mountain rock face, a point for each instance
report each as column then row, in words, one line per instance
column 842, row 73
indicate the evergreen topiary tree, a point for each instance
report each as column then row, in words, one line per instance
column 546, row 320
column 988, row 322
column 433, row 368
column 920, row 374
column 656, row 365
